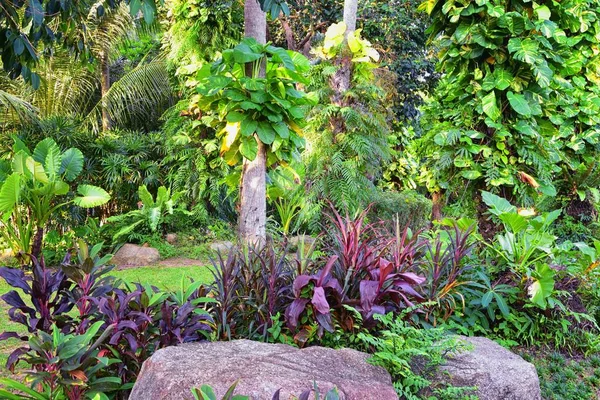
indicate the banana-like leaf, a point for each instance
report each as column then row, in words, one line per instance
column 91, row 196
column 154, row 215
column 162, row 195
column 9, row 193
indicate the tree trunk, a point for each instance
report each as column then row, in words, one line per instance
column 350, row 10
column 340, row 81
column 289, row 34
column 253, row 187
column 436, row 209
column 104, row 87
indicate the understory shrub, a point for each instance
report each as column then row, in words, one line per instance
column 408, row 207
column 411, row 356
column 530, row 288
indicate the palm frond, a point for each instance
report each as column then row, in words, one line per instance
column 140, row 93
column 67, row 87
column 16, row 111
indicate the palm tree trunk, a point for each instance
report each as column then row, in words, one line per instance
column 104, row 87
column 253, row 186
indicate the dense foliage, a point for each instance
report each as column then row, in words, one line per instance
column 516, row 109
column 405, row 202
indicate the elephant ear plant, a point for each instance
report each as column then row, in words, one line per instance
column 34, row 187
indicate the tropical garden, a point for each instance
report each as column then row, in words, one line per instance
column 386, row 175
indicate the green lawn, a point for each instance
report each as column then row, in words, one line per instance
column 164, row 278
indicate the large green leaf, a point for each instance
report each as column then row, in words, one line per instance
column 49, row 155
column 525, row 50
column 91, row 196
column 9, row 193
column 249, row 147
column 162, row 196
column 19, row 164
column 514, row 222
column 243, row 53
column 36, row 170
column 497, row 204
column 490, row 107
column 145, row 196
column 502, row 78
column 265, row 132
column 154, row 215
column 519, row 103
column 542, row 286
column 72, row 164
column 543, row 74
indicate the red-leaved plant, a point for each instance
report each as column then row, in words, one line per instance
column 369, row 271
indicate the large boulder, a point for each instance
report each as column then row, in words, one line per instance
column 132, row 255
column 497, row 373
column 261, row 369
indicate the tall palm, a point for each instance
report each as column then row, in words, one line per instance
column 81, row 89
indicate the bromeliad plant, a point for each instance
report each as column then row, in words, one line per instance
column 34, row 188
column 151, row 216
column 244, row 108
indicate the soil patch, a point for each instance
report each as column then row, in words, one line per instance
column 170, row 262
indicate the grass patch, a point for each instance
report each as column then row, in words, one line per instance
column 165, row 278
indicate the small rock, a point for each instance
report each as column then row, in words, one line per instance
column 222, row 246
column 261, row 369
column 132, row 255
column 294, row 242
column 171, row 238
column 497, row 373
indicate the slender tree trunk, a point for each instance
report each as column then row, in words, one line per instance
column 253, row 187
column 340, row 81
column 289, row 34
column 104, row 87
column 436, row 209
column 350, row 10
